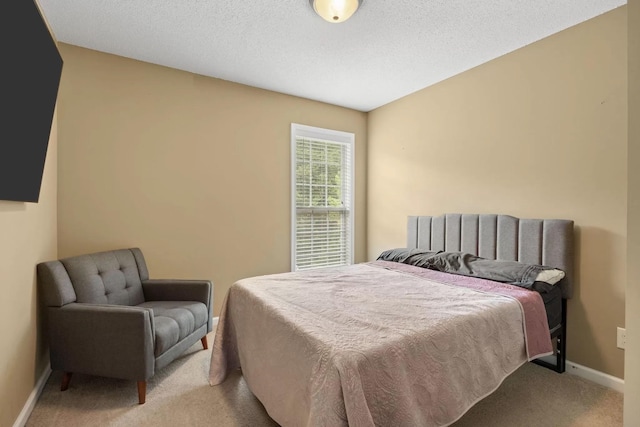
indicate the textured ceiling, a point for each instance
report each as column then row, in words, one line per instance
column 388, row 49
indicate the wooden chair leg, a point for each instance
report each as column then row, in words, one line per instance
column 205, row 345
column 66, row 378
column 142, row 392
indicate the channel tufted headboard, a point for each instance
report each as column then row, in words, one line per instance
column 502, row 237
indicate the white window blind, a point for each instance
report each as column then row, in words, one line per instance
column 322, row 197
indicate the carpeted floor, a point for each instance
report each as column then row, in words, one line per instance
column 179, row 395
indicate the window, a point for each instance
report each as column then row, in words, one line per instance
column 321, row 197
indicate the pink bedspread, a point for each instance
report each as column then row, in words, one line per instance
column 536, row 327
column 375, row 344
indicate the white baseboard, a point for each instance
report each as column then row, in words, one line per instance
column 33, row 398
column 215, row 321
column 597, row 377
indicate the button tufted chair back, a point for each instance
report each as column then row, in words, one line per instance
column 113, row 277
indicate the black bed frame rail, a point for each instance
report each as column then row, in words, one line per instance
column 561, row 345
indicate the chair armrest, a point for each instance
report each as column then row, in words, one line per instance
column 181, row 290
column 178, row 290
column 106, row 340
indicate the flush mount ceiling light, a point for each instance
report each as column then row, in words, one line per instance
column 335, row 11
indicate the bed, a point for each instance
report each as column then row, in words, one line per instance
column 386, row 343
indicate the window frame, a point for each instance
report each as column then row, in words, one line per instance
column 332, row 136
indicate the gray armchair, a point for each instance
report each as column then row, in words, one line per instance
column 106, row 318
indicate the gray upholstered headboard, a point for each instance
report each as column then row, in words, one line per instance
column 502, row 237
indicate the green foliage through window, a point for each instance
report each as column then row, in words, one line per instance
column 319, row 168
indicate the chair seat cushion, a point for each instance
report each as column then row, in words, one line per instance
column 174, row 321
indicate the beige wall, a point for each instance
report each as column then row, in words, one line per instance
column 193, row 170
column 632, row 355
column 540, row 133
column 28, row 236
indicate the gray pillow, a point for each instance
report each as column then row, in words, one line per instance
column 530, row 276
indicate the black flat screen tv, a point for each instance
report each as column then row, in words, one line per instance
column 32, row 67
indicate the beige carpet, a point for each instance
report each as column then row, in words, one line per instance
column 179, row 395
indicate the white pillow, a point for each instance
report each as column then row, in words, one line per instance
column 551, row 277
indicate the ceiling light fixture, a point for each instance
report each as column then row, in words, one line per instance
column 335, row 11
